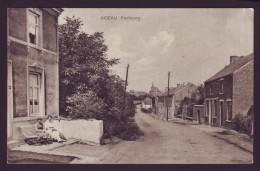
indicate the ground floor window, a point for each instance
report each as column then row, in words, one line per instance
column 36, row 91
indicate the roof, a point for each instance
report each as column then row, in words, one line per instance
column 174, row 90
column 231, row 68
column 171, row 91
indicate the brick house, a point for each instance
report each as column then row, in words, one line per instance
column 230, row 91
column 176, row 95
column 33, row 73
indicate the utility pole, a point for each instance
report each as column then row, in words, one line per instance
column 125, row 91
column 168, row 95
column 126, row 80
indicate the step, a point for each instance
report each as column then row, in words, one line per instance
column 13, row 144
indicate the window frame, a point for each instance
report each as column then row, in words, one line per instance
column 35, row 69
column 221, row 86
column 37, row 12
column 210, row 89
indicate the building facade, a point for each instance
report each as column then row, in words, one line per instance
column 33, row 60
column 176, row 95
column 230, row 91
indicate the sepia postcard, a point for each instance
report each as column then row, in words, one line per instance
column 130, row 85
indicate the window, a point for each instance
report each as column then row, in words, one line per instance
column 34, row 29
column 229, row 110
column 35, row 92
column 210, row 89
column 222, row 87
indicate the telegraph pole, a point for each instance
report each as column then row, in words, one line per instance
column 125, row 91
column 126, row 79
column 168, row 95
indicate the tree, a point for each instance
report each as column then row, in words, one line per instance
column 87, row 87
column 84, row 65
column 197, row 98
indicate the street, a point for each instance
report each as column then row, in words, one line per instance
column 171, row 143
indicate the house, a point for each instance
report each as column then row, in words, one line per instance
column 230, row 91
column 154, row 92
column 176, row 95
column 33, row 61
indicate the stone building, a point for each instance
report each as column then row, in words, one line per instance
column 33, row 60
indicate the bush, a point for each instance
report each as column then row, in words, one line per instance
column 129, row 131
column 84, row 105
column 88, row 106
column 242, row 124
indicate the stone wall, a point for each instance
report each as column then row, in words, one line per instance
column 86, row 130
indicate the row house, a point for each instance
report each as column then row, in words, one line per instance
column 176, row 95
column 33, row 60
column 230, row 91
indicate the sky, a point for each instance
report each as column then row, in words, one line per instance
column 191, row 44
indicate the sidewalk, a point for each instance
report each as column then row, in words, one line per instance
column 239, row 140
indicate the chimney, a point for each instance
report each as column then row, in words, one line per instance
column 233, row 58
column 178, row 85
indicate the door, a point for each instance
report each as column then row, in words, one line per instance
column 9, row 100
column 221, row 104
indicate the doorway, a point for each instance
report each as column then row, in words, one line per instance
column 221, row 104
column 9, row 100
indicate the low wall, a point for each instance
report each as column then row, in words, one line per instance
column 86, row 130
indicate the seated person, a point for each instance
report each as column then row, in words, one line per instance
column 39, row 129
column 54, row 133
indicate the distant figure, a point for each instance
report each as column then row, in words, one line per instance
column 54, row 133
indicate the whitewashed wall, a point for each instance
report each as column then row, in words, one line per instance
column 86, row 130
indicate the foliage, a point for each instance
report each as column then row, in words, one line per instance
column 83, row 63
column 129, row 131
column 84, row 105
column 186, row 101
column 197, row 98
column 87, row 87
column 242, row 123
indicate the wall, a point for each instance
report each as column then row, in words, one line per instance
column 86, row 130
column 17, row 23
column 23, row 55
column 199, row 108
column 216, row 88
column 243, row 89
column 49, row 31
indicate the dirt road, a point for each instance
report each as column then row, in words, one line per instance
column 166, row 142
